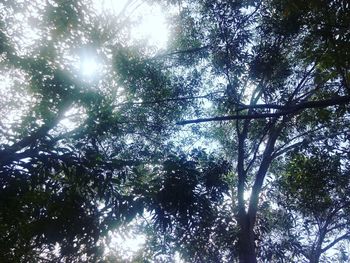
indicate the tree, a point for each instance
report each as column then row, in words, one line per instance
column 261, row 78
column 276, row 75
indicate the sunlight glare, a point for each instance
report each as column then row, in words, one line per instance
column 153, row 26
column 150, row 20
column 89, row 67
column 73, row 118
column 128, row 245
column 246, row 195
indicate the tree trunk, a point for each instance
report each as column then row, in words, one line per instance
column 314, row 257
column 316, row 251
column 246, row 241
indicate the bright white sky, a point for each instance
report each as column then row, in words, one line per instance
column 152, row 22
column 151, row 26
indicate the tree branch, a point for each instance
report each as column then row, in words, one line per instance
column 262, row 138
column 205, row 96
column 335, row 241
column 286, row 110
column 178, row 52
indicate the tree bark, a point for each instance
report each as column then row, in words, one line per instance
column 246, row 220
column 246, row 241
column 316, row 252
column 246, row 238
column 315, row 257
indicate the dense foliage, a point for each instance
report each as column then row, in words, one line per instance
column 230, row 144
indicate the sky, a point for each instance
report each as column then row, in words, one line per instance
column 151, row 27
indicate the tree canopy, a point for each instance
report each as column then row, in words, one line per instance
column 229, row 144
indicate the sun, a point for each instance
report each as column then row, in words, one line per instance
column 89, row 67
column 151, row 26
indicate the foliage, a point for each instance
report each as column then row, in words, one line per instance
column 65, row 186
column 312, row 203
column 189, row 202
column 81, row 156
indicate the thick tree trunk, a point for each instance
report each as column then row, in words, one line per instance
column 246, row 248
column 315, row 257
column 246, row 241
